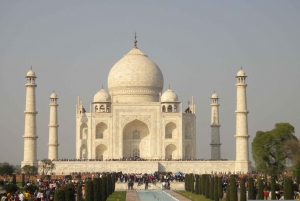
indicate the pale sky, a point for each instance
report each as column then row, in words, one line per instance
column 198, row 45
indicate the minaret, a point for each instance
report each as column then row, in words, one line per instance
column 215, row 128
column 242, row 150
column 30, row 136
column 53, row 126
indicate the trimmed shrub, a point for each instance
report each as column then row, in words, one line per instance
column 59, row 195
column 89, row 194
column 97, row 192
column 109, row 185
column 79, row 193
column 220, row 188
column 69, row 192
column 273, row 186
column 243, row 190
column 192, row 183
column 104, row 187
column 203, row 177
column 216, row 193
column 233, row 191
column 250, row 188
column 260, row 193
column 10, row 188
column 211, row 189
column 228, row 193
column 207, row 183
column 288, row 188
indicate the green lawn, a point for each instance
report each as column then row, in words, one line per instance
column 121, row 195
column 192, row 196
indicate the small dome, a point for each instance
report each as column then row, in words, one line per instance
column 169, row 96
column 241, row 73
column 102, row 96
column 30, row 73
column 53, row 96
column 214, row 95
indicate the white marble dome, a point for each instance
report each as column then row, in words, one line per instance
column 53, row 96
column 31, row 73
column 169, row 96
column 102, row 96
column 135, row 78
column 241, row 73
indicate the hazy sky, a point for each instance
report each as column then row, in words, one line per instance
column 198, row 45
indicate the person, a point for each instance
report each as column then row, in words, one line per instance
column 21, row 196
column 266, row 195
column 146, row 184
column 26, row 196
column 163, row 185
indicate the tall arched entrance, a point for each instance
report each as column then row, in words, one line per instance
column 170, row 152
column 136, row 140
column 101, row 152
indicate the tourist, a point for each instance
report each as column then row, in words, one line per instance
column 21, row 197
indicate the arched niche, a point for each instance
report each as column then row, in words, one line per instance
column 83, row 152
column 136, row 140
column 101, row 131
column 170, row 152
column 188, row 131
column 188, row 152
column 171, row 131
column 101, row 152
column 83, row 131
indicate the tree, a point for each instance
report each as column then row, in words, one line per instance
column 233, row 191
column 45, row 167
column 97, row 192
column 288, row 188
column 79, row 193
column 89, row 191
column 29, row 170
column 243, row 190
column 273, row 185
column 267, row 148
column 211, row 189
column 250, row 188
column 10, row 188
column 228, row 193
column 260, row 193
column 220, row 188
column 6, row 170
column 207, row 184
column 216, row 193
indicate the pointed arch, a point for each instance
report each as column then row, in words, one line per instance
column 83, row 152
column 170, row 152
column 83, row 131
column 163, row 108
column 170, row 131
column 136, row 139
column 188, row 152
column 101, row 152
column 101, row 131
column 170, row 108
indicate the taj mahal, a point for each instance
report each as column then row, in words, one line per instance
column 135, row 119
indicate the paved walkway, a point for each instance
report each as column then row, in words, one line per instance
column 153, row 195
column 131, row 195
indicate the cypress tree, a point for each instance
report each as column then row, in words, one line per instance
column 207, row 183
column 79, row 193
column 251, row 188
column 233, row 191
column 113, row 178
column 89, row 194
column 192, row 183
column 211, row 189
column 23, row 180
column 203, row 183
column 200, row 185
column 243, row 190
column 59, row 195
column 220, row 188
column 197, row 188
column 109, row 185
column 260, row 193
column 97, row 193
column 69, row 192
column 273, row 185
column 185, row 182
column 288, row 188
column 228, row 192
column 216, row 192
column 14, row 180
column 104, row 186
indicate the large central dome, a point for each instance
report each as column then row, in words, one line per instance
column 135, row 78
